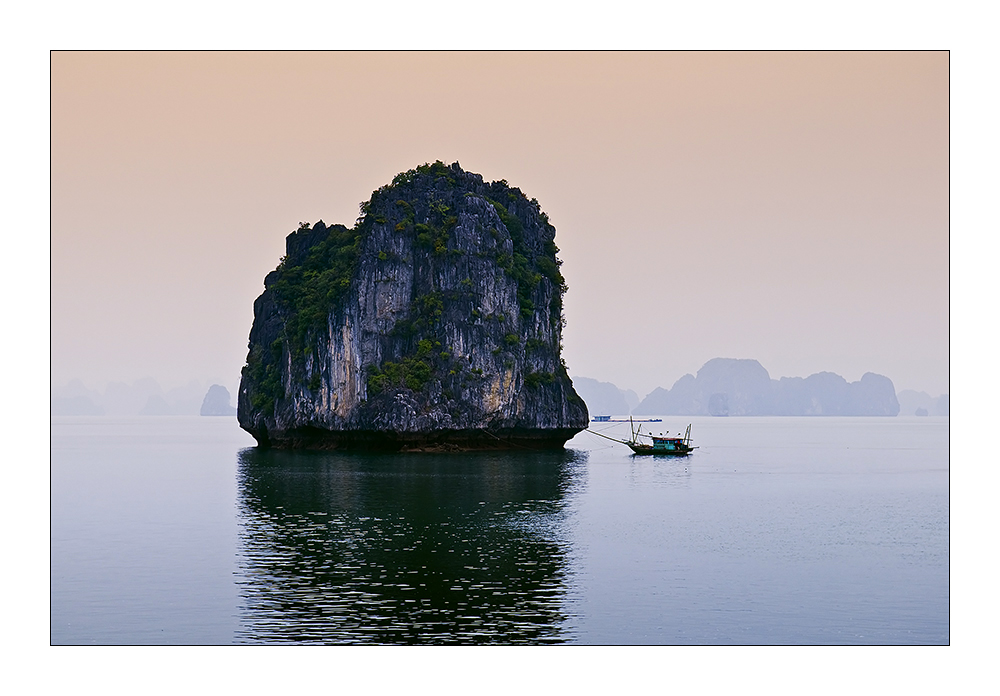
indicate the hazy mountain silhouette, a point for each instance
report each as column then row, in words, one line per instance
column 143, row 397
column 631, row 398
column 914, row 403
column 731, row 387
column 156, row 405
column 217, row 402
column 603, row 398
column 75, row 400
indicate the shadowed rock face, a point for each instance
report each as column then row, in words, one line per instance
column 435, row 323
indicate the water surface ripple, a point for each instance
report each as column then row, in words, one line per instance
column 403, row 549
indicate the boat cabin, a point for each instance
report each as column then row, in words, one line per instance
column 669, row 444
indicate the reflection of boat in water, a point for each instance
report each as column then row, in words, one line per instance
column 679, row 446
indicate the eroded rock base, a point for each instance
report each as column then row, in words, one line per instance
column 443, row 441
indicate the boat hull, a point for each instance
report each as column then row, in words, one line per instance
column 649, row 449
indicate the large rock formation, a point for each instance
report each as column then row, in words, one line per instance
column 434, row 323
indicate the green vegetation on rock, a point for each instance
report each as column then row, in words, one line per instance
column 305, row 290
column 412, row 372
column 424, row 207
column 529, row 273
column 309, row 290
column 265, row 373
column 534, row 379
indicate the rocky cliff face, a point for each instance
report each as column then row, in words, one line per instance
column 434, row 323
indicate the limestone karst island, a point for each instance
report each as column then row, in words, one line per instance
column 434, row 323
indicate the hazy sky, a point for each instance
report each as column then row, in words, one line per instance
column 788, row 207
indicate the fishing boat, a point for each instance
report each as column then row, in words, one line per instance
column 675, row 446
column 679, row 446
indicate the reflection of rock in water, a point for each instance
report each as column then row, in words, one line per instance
column 458, row 549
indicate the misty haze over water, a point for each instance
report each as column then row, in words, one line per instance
column 733, row 387
column 143, row 397
column 146, row 397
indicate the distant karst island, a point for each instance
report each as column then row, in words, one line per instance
column 216, row 402
column 143, row 397
column 914, row 403
column 742, row 387
column 434, row 323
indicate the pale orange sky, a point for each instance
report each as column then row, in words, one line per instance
column 788, row 207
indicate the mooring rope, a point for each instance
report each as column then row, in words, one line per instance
column 594, row 432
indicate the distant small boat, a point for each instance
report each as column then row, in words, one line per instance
column 672, row 446
column 609, row 419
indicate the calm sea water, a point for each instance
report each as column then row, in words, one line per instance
column 776, row 531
